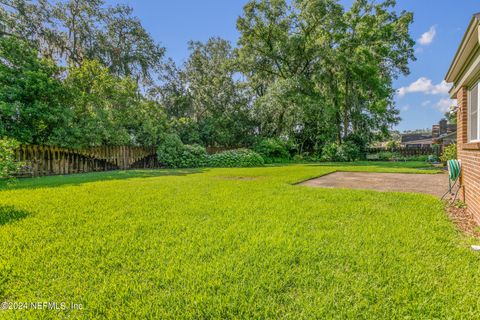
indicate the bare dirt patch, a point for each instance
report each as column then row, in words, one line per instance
column 464, row 221
column 434, row 184
column 237, row 178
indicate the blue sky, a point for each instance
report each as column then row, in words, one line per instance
column 439, row 24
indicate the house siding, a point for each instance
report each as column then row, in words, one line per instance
column 469, row 154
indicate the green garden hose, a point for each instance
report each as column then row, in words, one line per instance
column 454, row 172
column 454, row 169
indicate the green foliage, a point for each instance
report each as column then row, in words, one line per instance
column 393, row 144
column 108, row 110
column 137, row 244
column 348, row 151
column 170, row 150
column 308, row 72
column 90, row 107
column 174, row 154
column 395, row 156
column 205, row 101
column 388, row 156
column 432, row 158
column 423, row 158
column 193, row 156
column 235, row 158
column 298, row 158
column 329, row 152
column 462, row 205
column 449, row 153
column 8, row 164
column 272, row 150
column 186, row 128
column 146, row 122
column 75, row 30
column 33, row 100
column 323, row 72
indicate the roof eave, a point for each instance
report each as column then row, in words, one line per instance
column 469, row 40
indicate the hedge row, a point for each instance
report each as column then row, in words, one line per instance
column 174, row 154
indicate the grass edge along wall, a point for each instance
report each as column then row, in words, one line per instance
column 464, row 73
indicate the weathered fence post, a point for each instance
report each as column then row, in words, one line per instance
column 52, row 160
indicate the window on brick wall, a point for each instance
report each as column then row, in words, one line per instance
column 474, row 114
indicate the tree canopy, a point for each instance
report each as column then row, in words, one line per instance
column 306, row 72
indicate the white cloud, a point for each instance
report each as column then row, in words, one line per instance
column 405, row 107
column 426, row 86
column 426, row 103
column 441, row 88
column 428, row 36
column 444, row 104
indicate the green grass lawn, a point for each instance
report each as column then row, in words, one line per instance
column 232, row 243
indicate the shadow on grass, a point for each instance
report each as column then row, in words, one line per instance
column 80, row 178
column 9, row 214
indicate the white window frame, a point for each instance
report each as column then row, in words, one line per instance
column 469, row 132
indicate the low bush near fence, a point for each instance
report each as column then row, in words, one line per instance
column 395, row 156
column 172, row 153
column 387, row 156
column 430, row 154
column 272, row 150
column 348, row 151
column 8, row 164
column 235, row 158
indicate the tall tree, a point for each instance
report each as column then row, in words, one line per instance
column 374, row 48
column 73, row 30
column 321, row 73
column 220, row 105
column 206, row 99
column 126, row 47
column 109, row 110
column 33, row 99
column 173, row 91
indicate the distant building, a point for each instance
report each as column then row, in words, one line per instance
column 443, row 128
column 446, row 139
column 421, row 143
column 442, row 133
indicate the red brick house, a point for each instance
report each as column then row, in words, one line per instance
column 464, row 73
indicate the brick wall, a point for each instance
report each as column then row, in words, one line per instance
column 469, row 154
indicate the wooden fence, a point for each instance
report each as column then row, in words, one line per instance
column 49, row 160
column 409, row 152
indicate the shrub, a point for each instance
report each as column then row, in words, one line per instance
column 348, row 151
column 235, row 158
column 193, row 156
column 423, row 158
column 170, row 150
column 174, row 154
column 449, row 153
column 393, row 144
column 387, row 155
column 432, row 158
column 299, row 158
column 8, row 165
column 329, row 152
column 272, row 150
